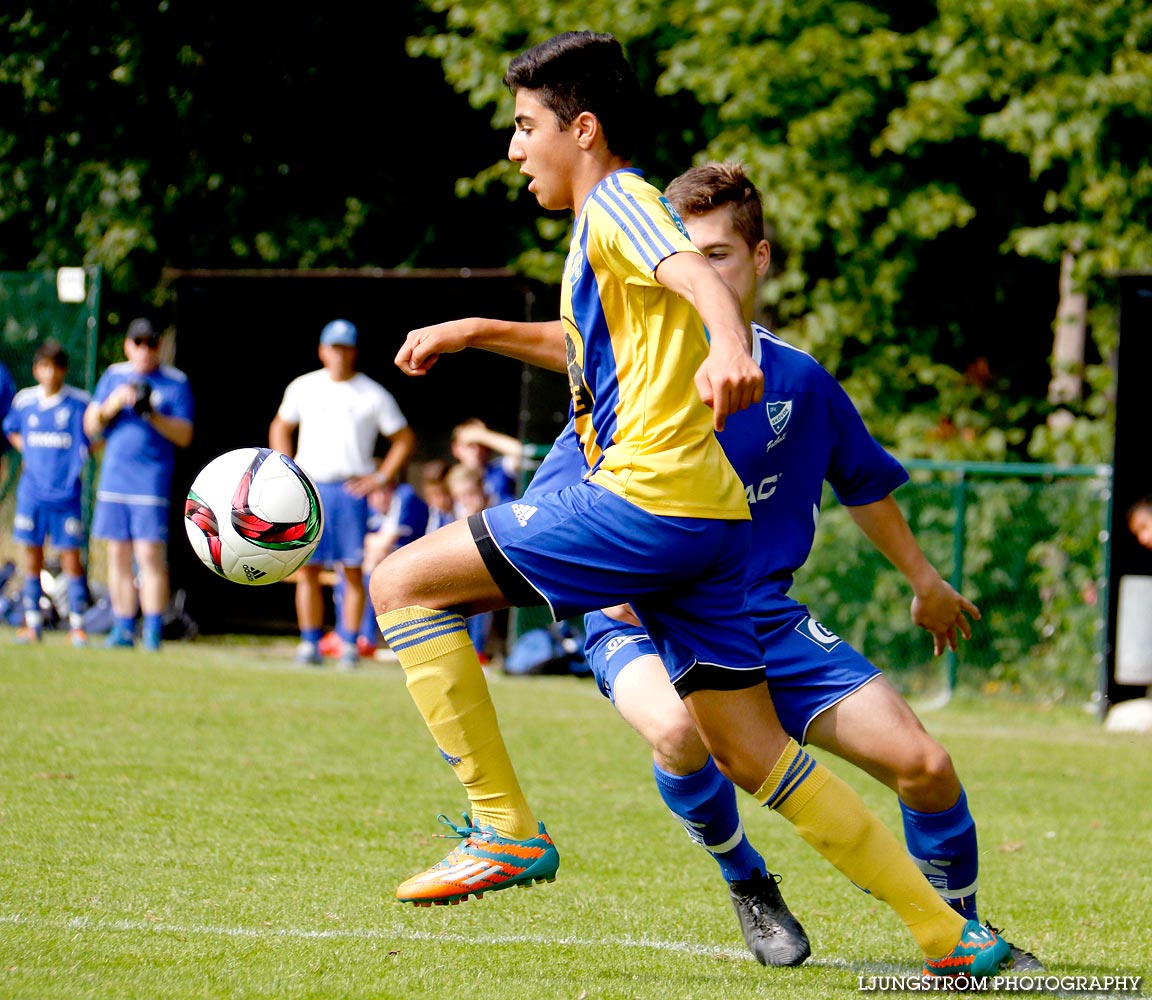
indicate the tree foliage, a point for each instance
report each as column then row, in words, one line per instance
column 924, row 167
column 212, row 135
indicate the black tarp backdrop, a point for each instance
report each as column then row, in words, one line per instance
column 242, row 336
column 1132, row 459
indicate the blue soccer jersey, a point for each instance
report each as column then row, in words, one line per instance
column 805, row 430
column 406, row 517
column 138, row 459
column 55, row 446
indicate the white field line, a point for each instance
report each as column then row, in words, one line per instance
column 87, row 924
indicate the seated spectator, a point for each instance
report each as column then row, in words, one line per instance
column 434, row 489
column 496, row 456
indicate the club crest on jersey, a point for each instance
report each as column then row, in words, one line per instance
column 575, row 264
column 779, row 412
column 812, row 630
column 674, row 216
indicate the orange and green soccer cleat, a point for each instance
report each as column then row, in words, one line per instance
column 484, row 862
column 980, row 952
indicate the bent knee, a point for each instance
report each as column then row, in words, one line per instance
column 927, row 780
column 677, row 746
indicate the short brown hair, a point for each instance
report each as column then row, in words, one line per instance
column 713, row 185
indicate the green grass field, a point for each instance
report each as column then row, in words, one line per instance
column 214, row 822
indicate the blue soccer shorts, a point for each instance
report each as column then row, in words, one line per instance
column 345, row 525
column 582, row 548
column 809, row 669
column 35, row 522
column 124, row 522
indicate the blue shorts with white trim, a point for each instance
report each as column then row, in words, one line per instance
column 809, row 669
column 582, row 548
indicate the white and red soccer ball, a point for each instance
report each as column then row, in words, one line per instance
column 253, row 516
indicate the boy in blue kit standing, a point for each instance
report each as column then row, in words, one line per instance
column 660, row 518
column 143, row 411
column 46, row 425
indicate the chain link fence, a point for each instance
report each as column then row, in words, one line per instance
column 1026, row 543
column 36, row 305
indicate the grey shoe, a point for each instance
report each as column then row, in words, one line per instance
column 308, row 655
column 772, row 934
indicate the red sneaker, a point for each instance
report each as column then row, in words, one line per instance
column 330, row 644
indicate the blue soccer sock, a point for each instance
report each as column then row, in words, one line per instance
column 77, row 600
column 153, row 626
column 126, row 625
column 943, row 845
column 33, row 617
column 705, row 803
column 312, row 635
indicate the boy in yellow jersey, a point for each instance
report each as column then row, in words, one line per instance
column 659, row 519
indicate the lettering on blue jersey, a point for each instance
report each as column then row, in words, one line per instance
column 674, row 216
column 811, row 629
column 762, row 491
column 61, row 440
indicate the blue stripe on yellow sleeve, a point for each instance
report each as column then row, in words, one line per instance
column 628, row 214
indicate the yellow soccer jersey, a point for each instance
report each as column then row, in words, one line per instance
column 633, row 349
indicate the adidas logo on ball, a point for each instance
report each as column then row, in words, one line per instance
column 252, row 573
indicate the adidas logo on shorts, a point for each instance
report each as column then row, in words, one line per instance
column 523, row 512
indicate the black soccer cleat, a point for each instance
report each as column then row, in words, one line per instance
column 772, row 934
column 1019, row 960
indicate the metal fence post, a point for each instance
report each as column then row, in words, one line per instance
column 959, row 540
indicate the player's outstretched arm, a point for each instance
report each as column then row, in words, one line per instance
column 540, row 344
column 936, row 607
column 728, row 380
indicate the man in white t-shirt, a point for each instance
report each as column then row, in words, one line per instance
column 336, row 414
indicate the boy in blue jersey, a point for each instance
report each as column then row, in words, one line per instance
column 143, row 411
column 660, row 519
column 46, row 425
column 825, row 692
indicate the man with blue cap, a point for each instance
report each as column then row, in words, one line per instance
column 336, row 414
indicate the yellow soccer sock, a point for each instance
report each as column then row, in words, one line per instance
column 447, row 683
column 831, row 817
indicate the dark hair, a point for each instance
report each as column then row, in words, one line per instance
column 711, row 185
column 51, row 350
column 582, row 71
